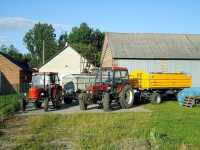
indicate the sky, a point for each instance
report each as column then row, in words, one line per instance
column 135, row 16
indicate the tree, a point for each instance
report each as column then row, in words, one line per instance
column 87, row 42
column 34, row 38
column 12, row 52
column 62, row 40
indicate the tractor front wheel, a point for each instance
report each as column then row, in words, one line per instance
column 106, row 102
column 46, row 104
column 38, row 104
column 23, row 104
column 126, row 97
column 83, row 101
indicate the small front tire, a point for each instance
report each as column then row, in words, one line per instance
column 83, row 101
column 106, row 102
column 126, row 97
column 46, row 104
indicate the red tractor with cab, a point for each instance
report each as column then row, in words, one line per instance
column 111, row 84
column 44, row 87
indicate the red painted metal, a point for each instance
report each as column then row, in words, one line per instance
column 119, row 68
column 34, row 93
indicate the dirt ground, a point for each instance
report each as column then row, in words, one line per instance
column 74, row 108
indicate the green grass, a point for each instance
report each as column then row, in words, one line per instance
column 176, row 124
column 9, row 104
column 168, row 126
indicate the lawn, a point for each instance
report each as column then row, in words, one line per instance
column 168, row 126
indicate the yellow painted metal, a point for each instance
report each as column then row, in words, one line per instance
column 143, row 80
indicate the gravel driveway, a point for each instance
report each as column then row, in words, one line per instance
column 74, row 108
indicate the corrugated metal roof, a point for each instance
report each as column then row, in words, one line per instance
column 152, row 46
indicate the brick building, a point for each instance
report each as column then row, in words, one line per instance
column 14, row 75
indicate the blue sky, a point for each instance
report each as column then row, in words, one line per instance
column 141, row 16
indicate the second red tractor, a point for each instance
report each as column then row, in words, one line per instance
column 111, row 84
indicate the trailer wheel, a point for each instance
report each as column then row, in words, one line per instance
column 155, row 98
column 68, row 100
column 106, row 102
column 82, row 101
column 46, row 104
column 126, row 97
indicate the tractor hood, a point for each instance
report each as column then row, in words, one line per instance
column 97, row 87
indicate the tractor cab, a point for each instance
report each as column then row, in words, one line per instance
column 44, row 79
column 112, row 75
column 109, row 79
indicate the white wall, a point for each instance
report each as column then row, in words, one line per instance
column 66, row 62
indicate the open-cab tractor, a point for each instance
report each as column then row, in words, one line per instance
column 111, row 84
column 44, row 88
column 116, row 84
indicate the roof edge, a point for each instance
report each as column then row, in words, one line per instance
column 156, row 33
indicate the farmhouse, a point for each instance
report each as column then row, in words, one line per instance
column 153, row 53
column 14, row 75
column 67, row 62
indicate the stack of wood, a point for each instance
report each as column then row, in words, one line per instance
column 191, row 101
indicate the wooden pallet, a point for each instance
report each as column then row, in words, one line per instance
column 191, row 101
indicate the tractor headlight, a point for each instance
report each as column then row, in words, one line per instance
column 108, row 88
column 24, row 94
column 42, row 94
column 91, row 92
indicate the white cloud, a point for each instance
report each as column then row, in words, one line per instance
column 15, row 23
column 20, row 23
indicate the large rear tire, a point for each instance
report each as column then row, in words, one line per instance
column 126, row 97
column 83, row 101
column 155, row 98
column 106, row 102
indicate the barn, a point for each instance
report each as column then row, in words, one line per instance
column 14, row 75
column 67, row 62
column 153, row 53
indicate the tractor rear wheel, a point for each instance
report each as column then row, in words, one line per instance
column 126, row 97
column 106, row 102
column 83, row 101
column 155, row 98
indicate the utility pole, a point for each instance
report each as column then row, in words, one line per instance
column 43, row 55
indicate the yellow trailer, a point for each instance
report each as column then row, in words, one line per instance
column 154, row 86
column 142, row 80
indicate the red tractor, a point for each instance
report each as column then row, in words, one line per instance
column 44, row 87
column 111, row 84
